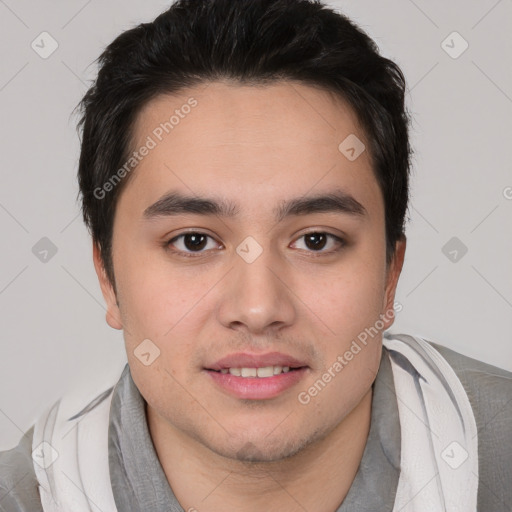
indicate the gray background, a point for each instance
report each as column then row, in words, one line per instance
column 53, row 319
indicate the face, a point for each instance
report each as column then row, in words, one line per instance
column 279, row 262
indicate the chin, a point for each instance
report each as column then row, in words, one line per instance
column 253, row 448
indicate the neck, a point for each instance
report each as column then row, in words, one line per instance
column 317, row 478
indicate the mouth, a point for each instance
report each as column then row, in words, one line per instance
column 256, row 377
column 261, row 373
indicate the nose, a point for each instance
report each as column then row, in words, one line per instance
column 258, row 298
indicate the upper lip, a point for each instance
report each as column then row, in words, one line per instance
column 248, row 360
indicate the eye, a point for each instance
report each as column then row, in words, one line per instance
column 192, row 242
column 195, row 243
column 316, row 241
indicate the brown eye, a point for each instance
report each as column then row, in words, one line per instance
column 196, row 243
column 316, row 241
column 189, row 243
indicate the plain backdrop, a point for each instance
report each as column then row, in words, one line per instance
column 460, row 295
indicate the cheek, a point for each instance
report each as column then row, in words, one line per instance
column 349, row 302
column 154, row 295
column 350, row 306
column 167, row 307
column 349, row 298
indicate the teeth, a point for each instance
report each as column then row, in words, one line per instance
column 267, row 371
column 249, row 372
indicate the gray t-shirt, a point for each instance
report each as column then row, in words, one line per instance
column 139, row 483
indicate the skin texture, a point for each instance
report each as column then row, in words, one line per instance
column 255, row 146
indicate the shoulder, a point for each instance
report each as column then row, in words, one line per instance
column 18, row 482
column 489, row 390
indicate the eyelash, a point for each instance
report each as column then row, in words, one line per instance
column 315, row 254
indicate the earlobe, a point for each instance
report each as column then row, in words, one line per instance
column 113, row 315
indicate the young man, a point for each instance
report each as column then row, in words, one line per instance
column 244, row 173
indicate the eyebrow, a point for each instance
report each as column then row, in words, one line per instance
column 175, row 203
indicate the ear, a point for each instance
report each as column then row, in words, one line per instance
column 393, row 273
column 113, row 315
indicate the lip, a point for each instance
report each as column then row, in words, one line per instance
column 256, row 388
column 248, row 360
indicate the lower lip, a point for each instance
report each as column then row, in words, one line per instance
column 256, row 388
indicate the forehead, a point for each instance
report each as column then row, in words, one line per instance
column 231, row 112
column 239, row 138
